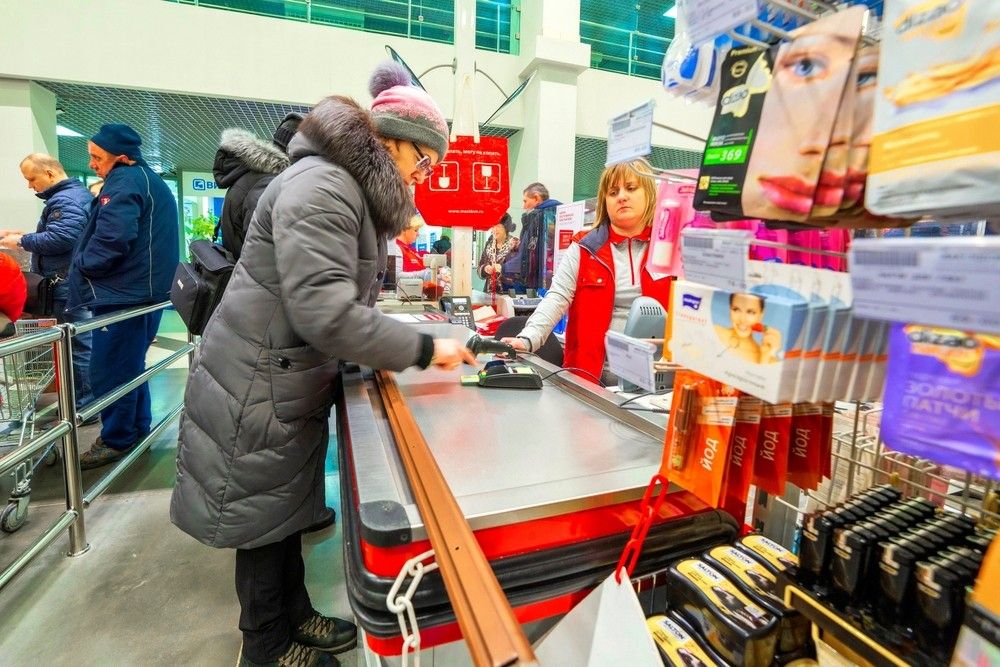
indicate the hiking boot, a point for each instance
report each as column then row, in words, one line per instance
column 327, row 634
column 329, row 518
column 101, row 455
column 297, row 655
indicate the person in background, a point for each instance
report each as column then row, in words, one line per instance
column 535, row 196
column 500, row 246
column 530, row 269
column 67, row 204
column 95, row 187
column 409, row 261
column 601, row 273
column 13, row 294
column 253, row 436
column 442, row 247
column 126, row 257
column 244, row 165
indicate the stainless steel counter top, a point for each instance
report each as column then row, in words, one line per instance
column 508, row 455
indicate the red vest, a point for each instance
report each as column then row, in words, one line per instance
column 593, row 304
column 412, row 259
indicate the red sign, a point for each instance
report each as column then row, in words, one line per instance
column 470, row 187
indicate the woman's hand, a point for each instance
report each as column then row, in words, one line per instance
column 770, row 345
column 518, row 344
column 497, row 268
column 449, row 354
column 489, row 268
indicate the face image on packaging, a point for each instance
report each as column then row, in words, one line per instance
column 746, row 318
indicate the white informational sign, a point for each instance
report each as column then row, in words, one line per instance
column 631, row 359
column 201, row 184
column 608, row 627
column 944, row 282
column 569, row 221
column 707, row 19
column 715, row 257
column 630, row 135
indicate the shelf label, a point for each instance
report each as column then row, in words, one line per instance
column 716, row 257
column 944, row 282
column 707, row 19
column 630, row 135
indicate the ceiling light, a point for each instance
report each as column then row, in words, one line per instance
column 66, row 132
column 671, row 13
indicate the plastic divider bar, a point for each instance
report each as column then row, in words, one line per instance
column 491, row 630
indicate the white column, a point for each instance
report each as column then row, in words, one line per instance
column 551, row 49
column 464, row 123
column 27, row 125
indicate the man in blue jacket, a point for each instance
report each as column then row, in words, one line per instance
column 67, row 204
column 126, row 258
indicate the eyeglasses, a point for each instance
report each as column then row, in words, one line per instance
column 424, row 163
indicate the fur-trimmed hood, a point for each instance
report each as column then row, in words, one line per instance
column 341, row 131
column 241, row 152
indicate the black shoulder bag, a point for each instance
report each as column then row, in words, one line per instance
column 199, row 284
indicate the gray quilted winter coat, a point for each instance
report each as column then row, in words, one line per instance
column 254, row 431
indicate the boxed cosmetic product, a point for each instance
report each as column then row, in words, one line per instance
column 738, row 629
column 834, row 334
column 787, row 177
column 942, row 397
column 749, row 340
column 936, row 149
column 746, row 76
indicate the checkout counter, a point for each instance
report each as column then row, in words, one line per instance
column 549, row 480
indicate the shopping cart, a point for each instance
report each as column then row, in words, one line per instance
column 24, row 376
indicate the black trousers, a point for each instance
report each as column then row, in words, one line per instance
column 271, row 586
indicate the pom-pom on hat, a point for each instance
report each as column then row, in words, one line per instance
column 404, row 111
column 119, row 139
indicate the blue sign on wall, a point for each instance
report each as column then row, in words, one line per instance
column 201, row 184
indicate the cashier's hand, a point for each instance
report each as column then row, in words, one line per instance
column 449, row 354
column 518, row 344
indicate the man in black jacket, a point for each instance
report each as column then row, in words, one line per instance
column 245, row 165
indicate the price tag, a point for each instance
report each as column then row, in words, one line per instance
column 630, row 135
column 716, row 257
column 941, row 282
column 707, row 19
column 631, row 359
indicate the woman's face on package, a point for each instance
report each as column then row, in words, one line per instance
column 864, row 111
column 745, row 311
column 809, row 75
column 626, row 205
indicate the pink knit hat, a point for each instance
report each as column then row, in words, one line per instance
column 404, row 111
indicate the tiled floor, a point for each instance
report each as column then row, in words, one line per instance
column 145, row 593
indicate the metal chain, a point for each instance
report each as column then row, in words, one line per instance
column 402, row 604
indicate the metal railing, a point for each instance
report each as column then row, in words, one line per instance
column 497, row 22
column 628, row 52
column 67, row 430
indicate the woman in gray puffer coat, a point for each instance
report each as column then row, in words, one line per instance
column 254, row 433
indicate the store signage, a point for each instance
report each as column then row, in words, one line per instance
column 715, row 257
column 569, row 221
column 470, row 187
column 707, row 19
column 630, row 135
column 201, row 183
column 944, row 282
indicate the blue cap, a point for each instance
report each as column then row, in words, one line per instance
column 119, row 139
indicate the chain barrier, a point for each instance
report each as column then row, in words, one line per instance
column 402, row 604
column 648, row 509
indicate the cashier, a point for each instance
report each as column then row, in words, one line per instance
column 409, row 261
column 601, row 273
